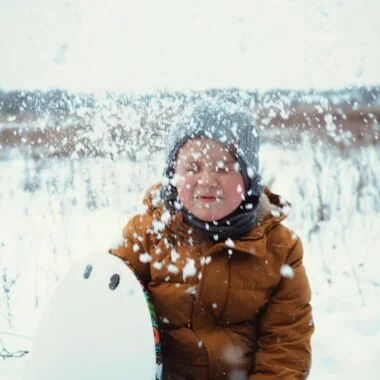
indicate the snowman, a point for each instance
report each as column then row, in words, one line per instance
column 100, row 324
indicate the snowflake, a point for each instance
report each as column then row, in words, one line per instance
column 229, row 243
column 173, row 269
column 145, row 257
column 287, row 271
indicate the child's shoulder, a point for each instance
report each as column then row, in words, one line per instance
column 271, row 213
column 151, row 215
column 281, row 239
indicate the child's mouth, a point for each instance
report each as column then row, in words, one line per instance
column 206, row 198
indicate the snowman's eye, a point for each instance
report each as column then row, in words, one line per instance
column 87, row 271
column 114, row 281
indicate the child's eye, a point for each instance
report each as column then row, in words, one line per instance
column 192, row 168
column 221, row 167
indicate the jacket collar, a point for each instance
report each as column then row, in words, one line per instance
column 271, row 211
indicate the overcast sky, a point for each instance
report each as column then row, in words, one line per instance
column 141, row 45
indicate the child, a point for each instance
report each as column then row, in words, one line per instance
column 225, row 276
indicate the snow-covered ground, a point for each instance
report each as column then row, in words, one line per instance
column 55, row 211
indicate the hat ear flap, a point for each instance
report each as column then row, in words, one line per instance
column 168, row 192
column 256, row 185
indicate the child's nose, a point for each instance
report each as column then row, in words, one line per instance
column 206, row 177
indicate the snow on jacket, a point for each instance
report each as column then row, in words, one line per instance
column 228, row 310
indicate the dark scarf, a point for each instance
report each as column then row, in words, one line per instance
column 232, row 226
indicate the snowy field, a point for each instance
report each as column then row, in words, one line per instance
column 56, row 211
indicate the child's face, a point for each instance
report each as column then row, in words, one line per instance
column 208, row 179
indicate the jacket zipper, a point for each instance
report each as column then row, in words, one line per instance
column 197, row 296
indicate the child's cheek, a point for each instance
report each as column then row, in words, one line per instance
column 185, row 187
column 234, row 188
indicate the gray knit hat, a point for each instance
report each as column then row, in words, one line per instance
column 232, row 125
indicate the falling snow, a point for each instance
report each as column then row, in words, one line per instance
column 287, row 271
column 78, row 205
column 145, row 258
column 189, row 270
column 173, row 269
column 230, row 243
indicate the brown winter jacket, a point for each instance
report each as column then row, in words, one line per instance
column 228, row 310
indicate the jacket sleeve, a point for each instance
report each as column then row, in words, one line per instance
column 286, row 326
column 133, row 248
